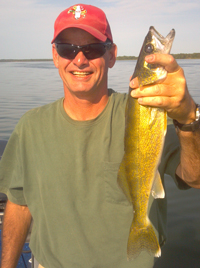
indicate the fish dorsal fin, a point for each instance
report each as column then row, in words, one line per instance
column 157, row 188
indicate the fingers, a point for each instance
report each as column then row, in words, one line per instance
column 170, row 86
column 151, row 95
column 134, row 83
column 166, row 60
column 154, row 95
column 170, row 93
column 159, row 102
column 166, row 94
column 154, row 90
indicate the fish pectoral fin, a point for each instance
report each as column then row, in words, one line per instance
column 157, row 188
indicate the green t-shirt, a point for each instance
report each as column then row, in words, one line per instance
column 65, row 171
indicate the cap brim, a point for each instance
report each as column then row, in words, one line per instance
column 86, row 28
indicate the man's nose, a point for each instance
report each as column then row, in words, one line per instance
column 80, row 59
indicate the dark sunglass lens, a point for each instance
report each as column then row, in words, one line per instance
column 66, row 51
column 94, row 51
column 91, row 51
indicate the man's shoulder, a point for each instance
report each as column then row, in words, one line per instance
column 117, row 96
column 44, row 110
column 117, row 99
column 40, row 115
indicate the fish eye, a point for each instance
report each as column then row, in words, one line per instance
column 149, row 48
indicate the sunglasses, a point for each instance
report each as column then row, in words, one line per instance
column 90, row 51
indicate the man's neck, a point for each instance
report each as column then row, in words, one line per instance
column 82, row 109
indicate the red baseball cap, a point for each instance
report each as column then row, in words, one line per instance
column 86, row 17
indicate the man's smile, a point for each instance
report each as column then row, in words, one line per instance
column 81, row 74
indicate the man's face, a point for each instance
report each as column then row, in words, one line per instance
column 81, row 76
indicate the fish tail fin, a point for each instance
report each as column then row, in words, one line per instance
column 142, row 238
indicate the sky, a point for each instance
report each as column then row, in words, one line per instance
column 26, row 26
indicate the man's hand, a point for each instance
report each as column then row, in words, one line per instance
column 170, row 94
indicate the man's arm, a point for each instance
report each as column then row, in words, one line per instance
column 189, row 166
column 172, row 95
column 16, row 224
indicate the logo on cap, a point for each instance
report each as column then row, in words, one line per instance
column 78, row 11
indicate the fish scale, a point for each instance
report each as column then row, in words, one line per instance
column 145, row 131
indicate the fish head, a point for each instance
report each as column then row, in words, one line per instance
column 154, row 43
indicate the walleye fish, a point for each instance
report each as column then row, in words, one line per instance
column 145, row 131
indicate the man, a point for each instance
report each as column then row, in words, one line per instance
column 60, row 165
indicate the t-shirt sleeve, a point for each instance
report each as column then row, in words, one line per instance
column 11, row 170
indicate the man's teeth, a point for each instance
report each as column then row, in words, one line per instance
column 81, row 73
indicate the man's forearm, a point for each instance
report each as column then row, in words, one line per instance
column 189, row 168
column 16, row 224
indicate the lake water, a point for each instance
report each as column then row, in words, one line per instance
column 25, row 85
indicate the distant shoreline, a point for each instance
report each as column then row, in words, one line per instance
column 176, row 56
column 24, row 60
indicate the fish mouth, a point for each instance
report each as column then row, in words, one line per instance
column 169, row 37
column 166, row 41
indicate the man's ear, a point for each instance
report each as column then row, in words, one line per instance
column 112, row 55
column 55, row 55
